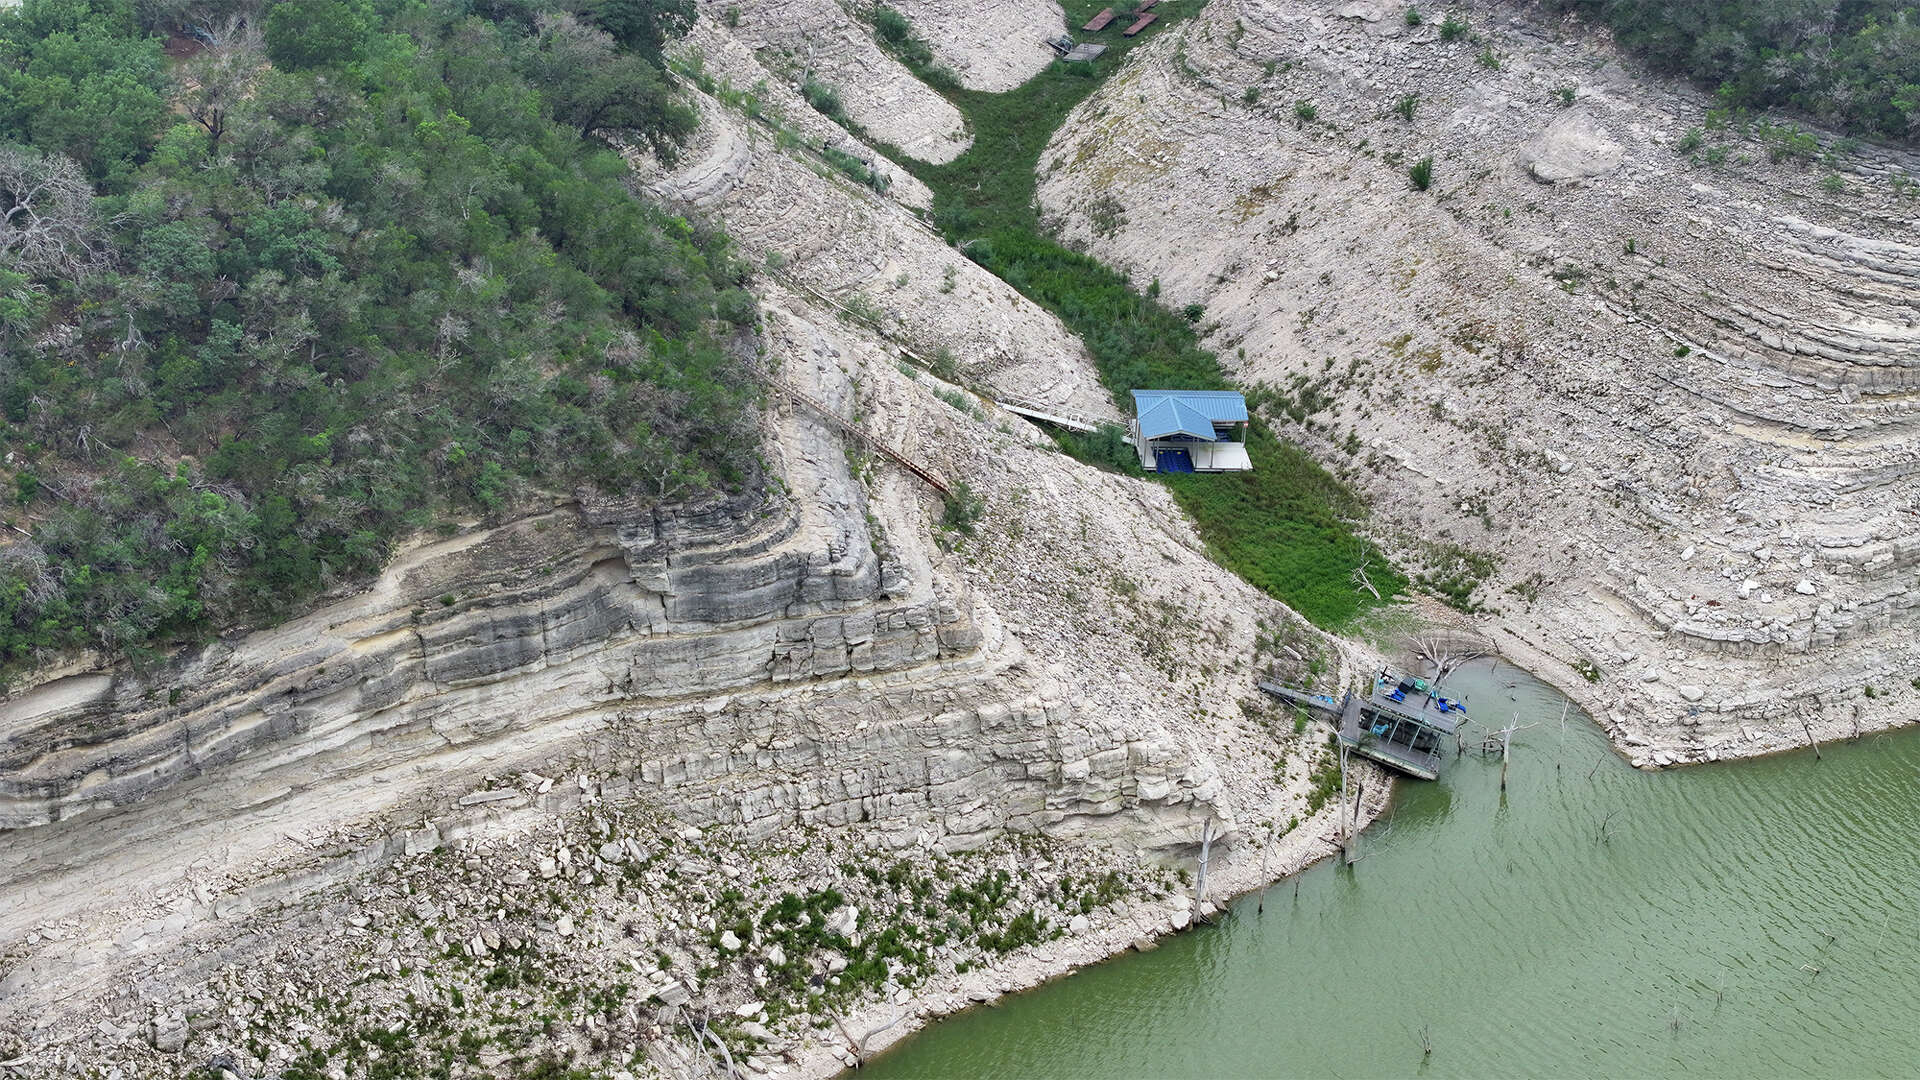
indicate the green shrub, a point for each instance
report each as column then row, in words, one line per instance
column 737, row 306
column 859, row 171
column 1413, row 17
column 896, row 35
column 1420, row 173
column 962, row 510
column 1306, row 112
column 1565, row 96
column 824, row 99
column 1405, row 107
column 1453, row 28
column 1489, row 59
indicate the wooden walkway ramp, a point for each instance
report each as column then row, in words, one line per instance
column 932, row 479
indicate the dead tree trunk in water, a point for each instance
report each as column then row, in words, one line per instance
column 1206, row 849
column 1807, row 726
column 1506, row 755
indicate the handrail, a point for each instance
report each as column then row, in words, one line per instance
column 846, row 426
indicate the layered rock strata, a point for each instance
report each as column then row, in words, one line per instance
column 1665, row 381
column 812, row 663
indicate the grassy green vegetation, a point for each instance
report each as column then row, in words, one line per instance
column 1287, row 526
column 303, row 292
column 1852, row 64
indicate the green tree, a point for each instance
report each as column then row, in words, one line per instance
column 303, row 34
column 78, row 78
column 594, row 88
column 645, row 26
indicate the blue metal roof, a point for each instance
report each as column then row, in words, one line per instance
column 1163, row 413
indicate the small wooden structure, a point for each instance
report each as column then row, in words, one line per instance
column 1075, row 52
column 1401, row 722
column 1190, row 430
column 1139, row 24
column 1099, row 22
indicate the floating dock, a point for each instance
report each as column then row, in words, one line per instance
column 1401, row 722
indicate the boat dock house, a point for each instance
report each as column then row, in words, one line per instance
column 1190, row 430
column 1403, row 723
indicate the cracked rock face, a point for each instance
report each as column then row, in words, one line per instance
column 1637, row 380
column 821, row 41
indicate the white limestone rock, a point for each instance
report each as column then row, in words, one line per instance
column 1573, row 149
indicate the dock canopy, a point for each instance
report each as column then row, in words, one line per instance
column 1165, row 413
column 1190, row 430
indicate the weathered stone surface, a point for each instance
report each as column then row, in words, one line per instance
column 1573, row 148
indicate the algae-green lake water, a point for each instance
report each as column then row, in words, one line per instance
column 1750, row 919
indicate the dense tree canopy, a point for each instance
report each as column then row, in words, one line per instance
column 645, row 26
column 1854, row 64
column 260, row 319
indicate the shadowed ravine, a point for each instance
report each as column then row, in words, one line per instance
column 1751, row 919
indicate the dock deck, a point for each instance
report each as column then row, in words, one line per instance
column 1355, row 718
column 1099, row 22
column 1424, row 764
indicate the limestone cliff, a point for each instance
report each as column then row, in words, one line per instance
column 1660, row 380
column 824, row 661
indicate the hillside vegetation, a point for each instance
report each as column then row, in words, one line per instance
column 1854, row 64
column 337, row 275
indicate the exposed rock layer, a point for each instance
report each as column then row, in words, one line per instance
column 1675, row 400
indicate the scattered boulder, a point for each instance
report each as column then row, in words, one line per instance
column 169, row 1034
column 1573, row 149
column 843, row 921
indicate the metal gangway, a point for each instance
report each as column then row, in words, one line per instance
column 1053, row 414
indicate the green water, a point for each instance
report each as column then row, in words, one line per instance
column 1521, row 942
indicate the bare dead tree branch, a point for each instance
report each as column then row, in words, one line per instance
column 48, row 222
column 1446, row 649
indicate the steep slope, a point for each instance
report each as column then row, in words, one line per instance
column 572, row 743
column 1649, row 414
